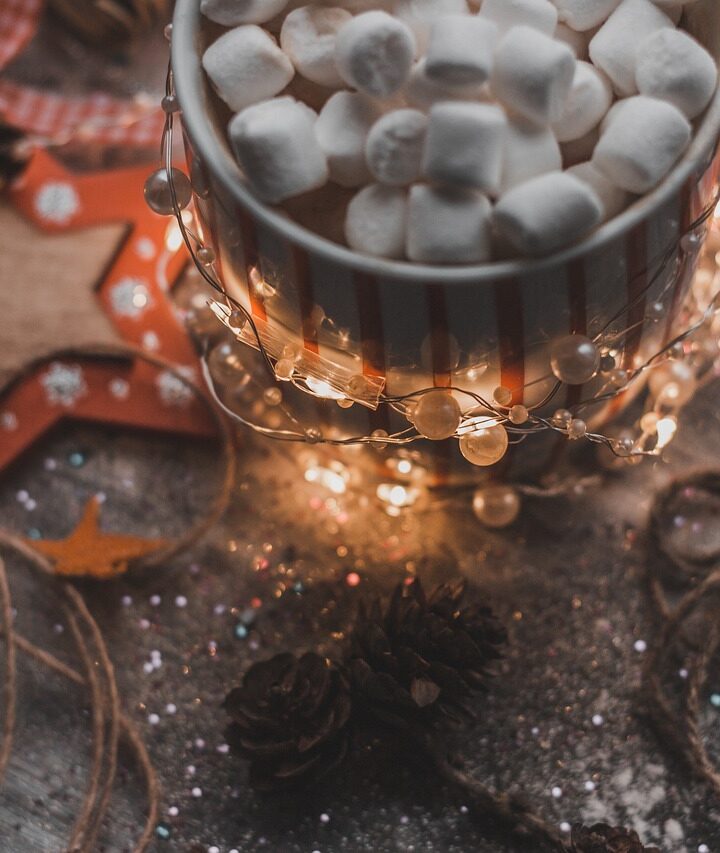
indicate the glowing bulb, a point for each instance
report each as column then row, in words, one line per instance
column 323, row 389
column 404, row 466
column 173, row 237
column 666, row 429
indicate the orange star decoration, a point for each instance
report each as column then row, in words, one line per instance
column 88, row 552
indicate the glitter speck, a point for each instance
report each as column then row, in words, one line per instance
column 181, row 601
column 213, row 849
column 76, row 459
column 163, row 831
column 715, row 700
column 153, row 719
column 171, row 708
column 148, row 668
column 352, row 579
column 173, row 811
column 155, row 600
column 556, row 792
column 683, row 673
column 126, row 601
column 640, row 646
column 196, row 792
column 589, row 786
column 598, row 720
column 324, row 818
column 565, row 826
column 464, row 809
column 703, row 848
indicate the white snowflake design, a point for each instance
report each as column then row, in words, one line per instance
column 57, row 202
column 64, row 384
column 119, row 388
column 9, row 421
column 151, row 341
column 172, row 390
column 130, row 296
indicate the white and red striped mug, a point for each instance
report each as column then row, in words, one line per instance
column 468, row 327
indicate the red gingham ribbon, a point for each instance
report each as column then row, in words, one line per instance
column 96, row 118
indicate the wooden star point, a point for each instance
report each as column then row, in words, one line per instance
column 88, row 552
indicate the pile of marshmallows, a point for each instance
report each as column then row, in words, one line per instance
column 472, row 129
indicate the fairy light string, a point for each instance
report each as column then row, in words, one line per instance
column 484, row 428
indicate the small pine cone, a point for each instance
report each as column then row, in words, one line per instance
column 289, row 718
column 421, row 660
column 602, row 838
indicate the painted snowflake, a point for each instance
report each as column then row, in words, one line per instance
column 57, row 202
column 119, row 388
column 130, row 296
column 151, row 341
column 172, row 390
column 9, row 421
column 64, row 384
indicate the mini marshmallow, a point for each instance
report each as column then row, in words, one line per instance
column 614, row 199
column 638, row 149
column 539, row 14
column 422, row 92
column 376, row 221
column 460, row 50
column 230, row 13
column 247, row 66
column 588, row 102
column 341, row 130
column 576, row 41
column 674, row 67
column 547, row 213
column 308, row 38
column 275, row 144
column 464, row 145
column 374, row 53
column 533, row 74
column 420, row 14
column 448, row 226
column 528, row 151
column 584, row 15
column 394, row 147
column 614, row 48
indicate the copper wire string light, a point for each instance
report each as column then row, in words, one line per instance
column 486, row 427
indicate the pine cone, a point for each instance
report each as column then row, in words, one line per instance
column 289, row 718
column 602, row 838
column 422, row 659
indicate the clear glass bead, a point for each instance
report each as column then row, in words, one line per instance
column 496, row 506
column 437, row 415
column 574, row 359
column 158, row 194
column 485, row 446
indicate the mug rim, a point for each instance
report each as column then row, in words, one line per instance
column 188, row 76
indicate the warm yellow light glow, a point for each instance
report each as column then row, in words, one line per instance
column 404, row 466
column 323, row 389
column 334, row 481
column 666, row 429
column 173, row 237
column 396, row 496
column 476, row 425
